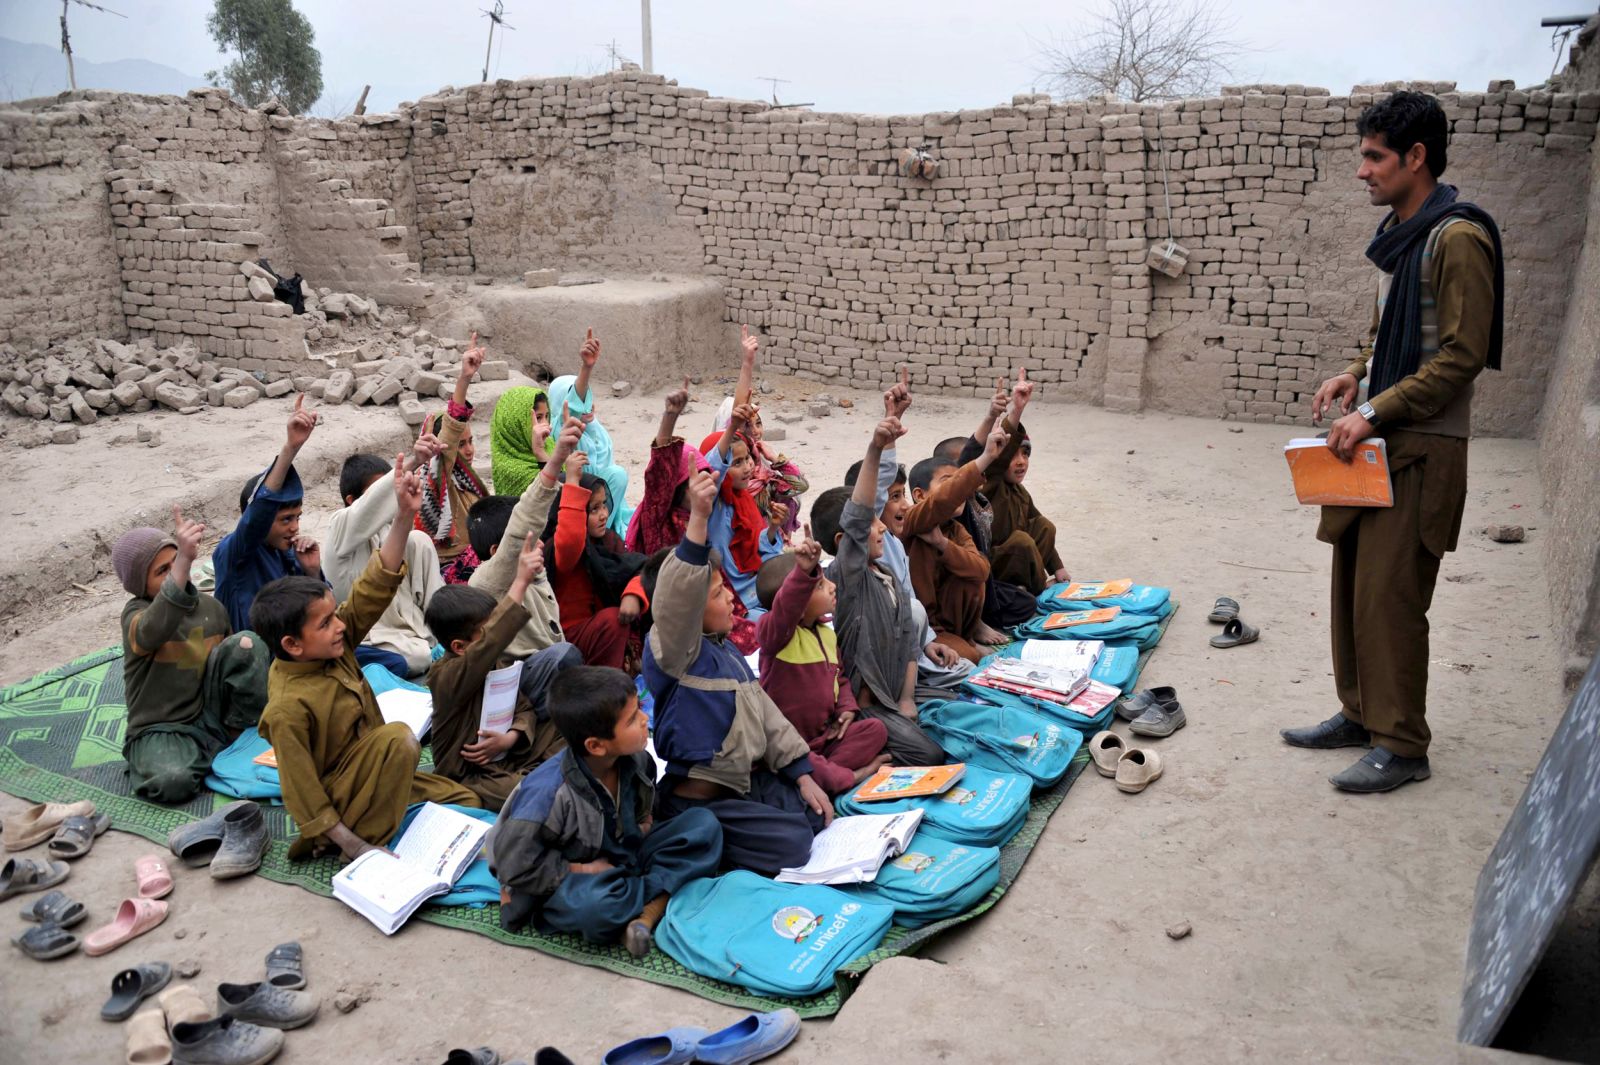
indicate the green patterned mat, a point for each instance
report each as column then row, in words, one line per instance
column 61, row 740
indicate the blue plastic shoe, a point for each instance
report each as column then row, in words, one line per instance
column 758, row 1036
column 671, row 1047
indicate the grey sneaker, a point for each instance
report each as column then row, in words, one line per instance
column 224, row 1041
column 275, row 1007
column 1379, row 770
column 1162, row 717
column 1337, row 731
column 1130, row 708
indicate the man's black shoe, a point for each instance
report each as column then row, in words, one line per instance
column 1337, row 731
column 1378, row 770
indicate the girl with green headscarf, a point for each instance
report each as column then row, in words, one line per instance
column 520, row 441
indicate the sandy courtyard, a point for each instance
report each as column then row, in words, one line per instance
column 1326, row 927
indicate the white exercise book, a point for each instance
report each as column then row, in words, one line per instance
column 412, row 707
column 853, row 849
column 500, row 689
column 1063, row 654
column 430, row 857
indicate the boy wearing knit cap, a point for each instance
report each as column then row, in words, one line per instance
column 191, row 687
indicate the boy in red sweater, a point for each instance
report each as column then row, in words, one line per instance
column 800, row 670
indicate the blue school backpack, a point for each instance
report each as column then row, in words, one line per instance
column 932, row 880
column 982, row 809
column 1007, row 739
column 1136, row 628
column 775, row 939
column 235, row 773
column 477, row 885
column 1140, row 599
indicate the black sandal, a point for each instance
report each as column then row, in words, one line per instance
column 1235, row 634
column 286, row 966
column 22, row 875
column 76, row 835
column 45, row 942
column 54, row 907
column 1223, row 610
column 132, row 986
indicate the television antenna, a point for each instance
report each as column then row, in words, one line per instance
column 66, row 41
column 497, row 17
column 775, row 82
column 618, row 60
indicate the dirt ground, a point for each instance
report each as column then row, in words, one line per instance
column 1325, row 927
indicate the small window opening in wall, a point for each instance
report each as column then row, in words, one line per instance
column 529, row 168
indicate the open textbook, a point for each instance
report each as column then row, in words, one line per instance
column 853, row 849
column 388, row 888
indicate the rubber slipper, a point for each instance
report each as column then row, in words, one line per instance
column 1137, row 769
column 46, row 941
column 668, row 1048
column 36, row 824
column 182, row 1004
column 76, row 835
column 134, row 918
column 1223, row 610
column 1106, row 748
column 132, row 986
column 22, row 875
column 155, row 882
column 1235, row 634
column 760, row 1035
column 286, row 966
column 148, row 1042
column 1134, row 705
column 53, row 907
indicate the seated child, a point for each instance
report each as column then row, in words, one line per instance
column 449, row 483
column 191, row 688
column 400, row 641
column 877, row 622
column 347, row 776
column 1024, row 545
column 576, row 848
column 499, row 526
column 741, row 534
column 570, row 397
column 947, row 570
column 475, row 631
column 589, row 568
column 774, row 478
column 727, row 746
column 519, row 438
column 266, row 544
column 800, row 670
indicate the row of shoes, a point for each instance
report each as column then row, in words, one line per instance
column 757, row 1036
column 1155, row 713
column 245, row 1028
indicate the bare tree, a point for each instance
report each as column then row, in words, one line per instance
column 1141, row 50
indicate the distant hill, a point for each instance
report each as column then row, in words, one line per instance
column 28, row 70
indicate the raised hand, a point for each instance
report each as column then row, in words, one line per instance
column 589, row 354
column 188, row 534
column 676, row 400
column 1000, row 399
column 1023, row 390
column 567, row 442
column 749, row 345
column 897, row 400
column 308, row 553
column 574, row 465
column 471, row 360
column 777, row 514
column 744, row 414
column 807, row 553
column 996, row 443
column 702, row 493
column 301, row 422
column 407, row 489
column 425, row 450
column 887, row 432
column 530, row 560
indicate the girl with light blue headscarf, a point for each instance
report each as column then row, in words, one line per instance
column 573, row 393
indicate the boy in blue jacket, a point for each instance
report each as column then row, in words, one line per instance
column 575, row 848
column 727, row 746
column 266, row 544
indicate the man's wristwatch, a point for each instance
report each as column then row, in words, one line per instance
column 1366, row 411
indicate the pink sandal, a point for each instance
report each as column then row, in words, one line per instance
column 134, row 918
column 155, row 882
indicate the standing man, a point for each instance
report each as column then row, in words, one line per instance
column 1436, row 324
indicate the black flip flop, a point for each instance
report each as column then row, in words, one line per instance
column 286, row 966
column 1235, row 634
column 132, row 986
column 76, row 835
column 1223, row 610
column 22, row 875
column 53, row 907
column 45, row 942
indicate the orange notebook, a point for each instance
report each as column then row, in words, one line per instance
column 1066, row 620
column 908, row 782
column 268, row 758
column 1096, row 590
column 1322, row 479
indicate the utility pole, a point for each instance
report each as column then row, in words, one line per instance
column 496, row 18
column 66, row 40
column 644, row 15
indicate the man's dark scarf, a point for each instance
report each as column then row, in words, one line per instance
column 1397, row 250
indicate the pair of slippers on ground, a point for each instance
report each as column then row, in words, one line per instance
column 1154, row 712
column 757, row 1036
column 245, row 1029
column 1235, row 633
column 70, row 827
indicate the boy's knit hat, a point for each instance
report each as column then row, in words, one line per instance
column 132, row 554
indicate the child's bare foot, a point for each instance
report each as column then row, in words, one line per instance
column 984, row 634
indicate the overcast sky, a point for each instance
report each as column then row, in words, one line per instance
column 883, row 56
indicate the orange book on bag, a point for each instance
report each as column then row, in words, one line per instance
column 268, row 758
column 1321, row 478
column 1098, row 590
column 909, row 782
column 1064, row 619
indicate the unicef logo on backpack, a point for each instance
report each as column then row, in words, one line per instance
column 795, row 923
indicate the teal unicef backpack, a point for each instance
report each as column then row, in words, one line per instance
column 775, row 939
column 982, row 809
column 932, row 880
column 1006, row 739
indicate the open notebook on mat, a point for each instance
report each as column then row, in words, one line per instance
column 387, row 888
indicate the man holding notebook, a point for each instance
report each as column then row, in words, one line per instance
column 1437, row 321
